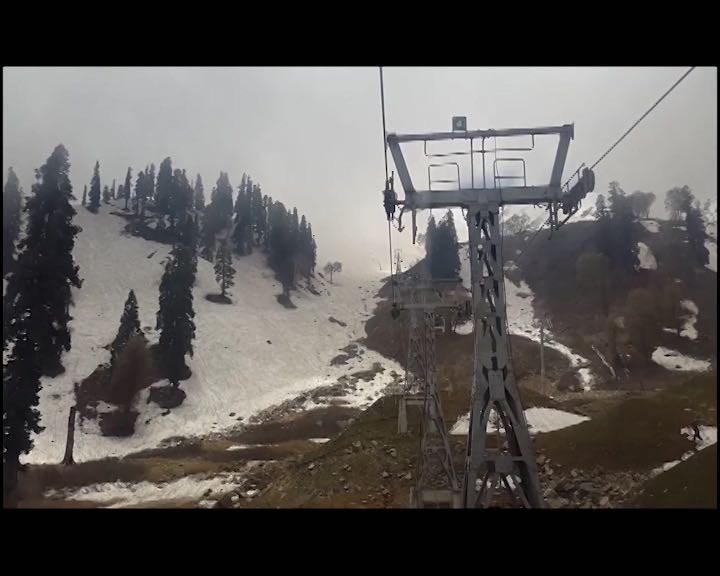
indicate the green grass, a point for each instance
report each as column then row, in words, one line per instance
column 639, row 433
column 690, row 484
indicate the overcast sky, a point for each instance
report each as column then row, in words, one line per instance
column 312, row 137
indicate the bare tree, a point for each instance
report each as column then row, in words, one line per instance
column 332, row 268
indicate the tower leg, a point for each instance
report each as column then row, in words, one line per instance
column 505, row 460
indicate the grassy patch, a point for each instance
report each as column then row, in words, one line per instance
column 690, row 484
column 639, row 433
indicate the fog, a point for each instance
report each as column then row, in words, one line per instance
column 312, row 137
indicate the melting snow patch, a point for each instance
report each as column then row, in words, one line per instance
column 708, row 437
column 120, row 494
column 521, row 320
column 263, row 375
column 646, row 257
column 319, row 440
column 651, row 226
column 711, row 246
column 688, row 329
column 538, row 419
column 673, row 360
column 465, row 328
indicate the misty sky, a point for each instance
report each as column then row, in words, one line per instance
column 312, row 137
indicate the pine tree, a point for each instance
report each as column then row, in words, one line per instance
column 429, row 238
column 126, row 187
column 84, row 197
column 259, row 217
column 305, row 258
column 129, row 325
column 242, row 233
column 312, row 251
column 95, row 189
column 38, row 300
column 224, row 271
column 175, row 316
column 149, row 185
column 279, row 235
column 199, row 194
column 444, row 257
column 139, row 192
column 112, row 190
column 106, row 195
column 218, row 214
column 181, row 196
column 163, row 187
column 696, row 235
column 12, row 205
column 21, row 388
column 620, row 232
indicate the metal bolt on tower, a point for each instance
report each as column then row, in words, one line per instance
column 502, row 463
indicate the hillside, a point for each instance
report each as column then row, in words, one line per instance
column 248, row 356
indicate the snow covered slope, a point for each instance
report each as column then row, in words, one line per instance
column 248, row 355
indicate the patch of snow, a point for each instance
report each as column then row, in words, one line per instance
column 233, row 368
column 708, row 437
column 688, row 329
column 319, row 440
column 711, row 246
column 538, row 419
column 121, row 494
column 521, row 320
column 674, row 360
column 465, row 328
column 651, row 226
column 646, row 257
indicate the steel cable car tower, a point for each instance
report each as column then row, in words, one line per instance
column 491, row 463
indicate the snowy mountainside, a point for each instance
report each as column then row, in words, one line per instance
column 247, row 356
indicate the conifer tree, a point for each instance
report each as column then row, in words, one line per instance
column 126, row 187
column 38, row 301
column 224, row 271
column 175, row 316
column 129, row 325
column 12, row 206
column 95, row 189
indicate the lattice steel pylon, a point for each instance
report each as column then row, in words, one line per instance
column 436, row 480
column 505, row 461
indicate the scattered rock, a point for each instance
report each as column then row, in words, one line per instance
column 347, row 468
column 207, row 493
column 311, row 466
column 336, row 321
column 231, row 414
column 357, row 445
column 342, row 479
column 234, row 498
column 268, row 341
column 541, row 460
column 574, row 473
column 604, row 501
column 346, row 487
